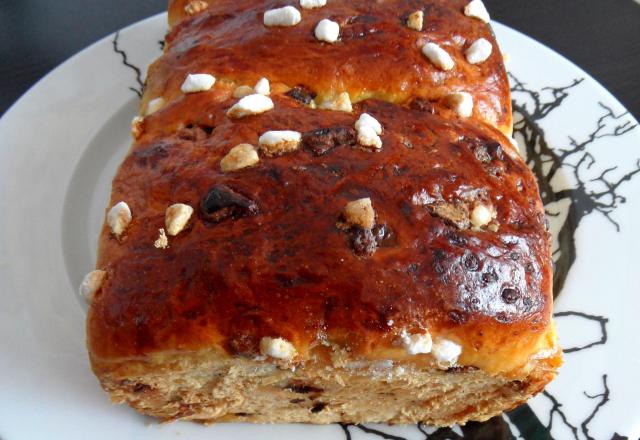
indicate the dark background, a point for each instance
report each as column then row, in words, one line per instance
column 601, row 36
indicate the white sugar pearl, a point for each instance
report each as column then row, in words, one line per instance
column 176, row 218
column 461, row 103
column 419, row 343
column 367, row 119
column 278, row 348
column 438, row 56
column 479, row 51
column 198, row 82
column 263, row 87
column 118, row 218
column 91, row 283
column 327, row 30
column 250, row 105
column 481, row 216
column 446, row 352
column 312, row 4
column 286, row 16
column 476, row 9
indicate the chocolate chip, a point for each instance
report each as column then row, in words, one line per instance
column 519, row 385
column 489, row 277
column 302, row 388
column 503, row 317
column 510, row 295
column 221, row 202
column 302, row 94
column 495, row 150
column 140, row 387
column 456, row 239
column 438, row 256
column 317, row 407
column 321, row 141
column 471, row 262
column 363, row 242
column 379, row 232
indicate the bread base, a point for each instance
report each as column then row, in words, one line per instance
column 223, row 389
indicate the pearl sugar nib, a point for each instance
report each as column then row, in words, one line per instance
column 479, row 51
column 438, row 56
column 285, row 16
column 476, row 9
column 197, row 82
column 118, row 218
column 327, row 31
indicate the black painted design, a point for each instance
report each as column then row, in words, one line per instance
column 378, row 433
column 587, row 195
column 140, row 87
column 556, row 409
column 528, row 424
column 496, row 429
column 604, row 398
column 601, row 320
column 345, row 428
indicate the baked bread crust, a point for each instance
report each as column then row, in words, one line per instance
column 282, row 261
column 378, row 55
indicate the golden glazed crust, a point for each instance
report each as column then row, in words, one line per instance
column 459, row 249
column 377, row 55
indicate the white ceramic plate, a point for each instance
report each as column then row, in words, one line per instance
column 60, row 146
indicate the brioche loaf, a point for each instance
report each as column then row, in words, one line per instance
column 322, row 219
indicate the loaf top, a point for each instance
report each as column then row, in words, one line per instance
column 377, row 55
column 278, row 249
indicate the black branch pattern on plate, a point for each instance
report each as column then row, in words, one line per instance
column 125, row 61
column 587, row 195
column 600, row 320
column 556, row 409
